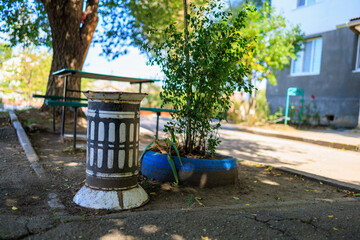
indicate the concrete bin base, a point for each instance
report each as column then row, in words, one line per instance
column 111, row 200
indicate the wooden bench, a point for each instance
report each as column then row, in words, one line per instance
column 158, row 113
column 51, row 97
column 76, row 105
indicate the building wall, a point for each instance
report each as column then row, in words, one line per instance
column 336, row 88
column 322, row 16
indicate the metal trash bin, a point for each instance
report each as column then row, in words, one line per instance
column 112, row 152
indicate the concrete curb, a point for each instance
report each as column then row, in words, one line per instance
column 350, row 147
column 33, row 158
column 329, row 181
column 26, row 145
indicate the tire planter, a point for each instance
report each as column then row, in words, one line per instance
column 194, row 172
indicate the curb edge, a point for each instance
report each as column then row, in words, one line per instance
column 349, row 147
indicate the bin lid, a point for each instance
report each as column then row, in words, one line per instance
column 116, row 96
column 76, row 73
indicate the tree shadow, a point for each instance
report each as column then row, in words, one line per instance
column 250, row 150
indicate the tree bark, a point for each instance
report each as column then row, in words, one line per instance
column 188, row 139
column 71, row 39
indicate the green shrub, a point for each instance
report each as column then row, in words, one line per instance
column 203, row 67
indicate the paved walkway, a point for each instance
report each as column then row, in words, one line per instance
column 319, row 219
column 348, row 139
column 335, row 166
column 290, row 221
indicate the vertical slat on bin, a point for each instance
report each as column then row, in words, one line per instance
column 112, row 150
column 107, row 146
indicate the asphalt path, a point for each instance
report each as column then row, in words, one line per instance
column 325, row 219
column 298, row 220
column 322, row 161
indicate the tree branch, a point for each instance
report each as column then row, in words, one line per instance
column 88, row 28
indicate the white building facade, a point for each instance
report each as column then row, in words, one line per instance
column 329, row 65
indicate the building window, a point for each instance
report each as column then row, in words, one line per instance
column 308, row 61
column 301, row 3
column 357, row 66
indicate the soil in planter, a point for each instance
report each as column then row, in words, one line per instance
column 163, row 148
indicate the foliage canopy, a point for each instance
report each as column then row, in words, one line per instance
column 276, row 44
column 203, row 67
column 24, row 74
column 123, row 23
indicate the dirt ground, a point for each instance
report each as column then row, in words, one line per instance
column 22, row 193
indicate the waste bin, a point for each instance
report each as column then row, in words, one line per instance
column 112, row 152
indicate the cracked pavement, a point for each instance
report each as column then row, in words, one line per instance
column 303, row 220
column 289, row 220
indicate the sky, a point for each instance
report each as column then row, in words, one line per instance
column 132, row 64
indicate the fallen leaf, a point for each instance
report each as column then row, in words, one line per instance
column 335, row 229
column 153, row 193
column 306, row 190
column 14, row 208
column 81, row 182
column 330, row 216
column 278, row 175
column 198, row 198
column 200, row 203
column 236, row 198
column 247, row 205
column 253, row 214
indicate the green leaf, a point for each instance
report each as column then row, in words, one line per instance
column 236, row 198
column 143, row 153
column 176, row 150
column 173, row 167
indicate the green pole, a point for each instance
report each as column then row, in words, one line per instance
column 287, row 107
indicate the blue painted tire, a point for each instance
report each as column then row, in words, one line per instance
column 155, row 165
column 195, row 172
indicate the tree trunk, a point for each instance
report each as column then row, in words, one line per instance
column 188, row 139
column 70, row 39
